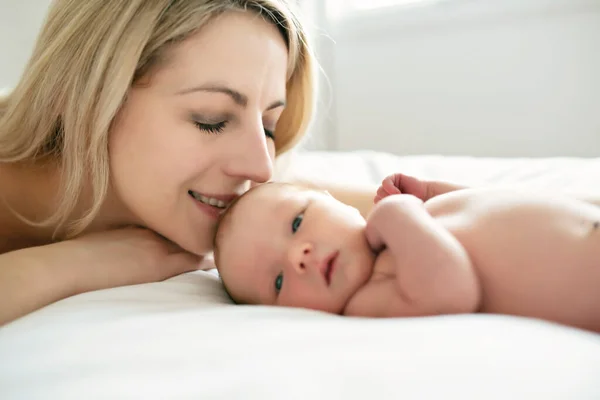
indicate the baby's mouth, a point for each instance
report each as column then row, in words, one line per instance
column 330, row 267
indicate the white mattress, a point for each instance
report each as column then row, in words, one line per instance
column 182, row 339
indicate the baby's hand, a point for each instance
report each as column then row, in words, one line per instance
column 387, row 220
column 402, row 184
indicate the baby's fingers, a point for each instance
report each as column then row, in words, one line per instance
column 381, row 193
column 389, row 186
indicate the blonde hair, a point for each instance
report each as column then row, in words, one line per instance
column 87, row 56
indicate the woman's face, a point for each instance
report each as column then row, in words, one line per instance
column 195, row 136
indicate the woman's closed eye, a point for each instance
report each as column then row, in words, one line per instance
column 278, row 282
column 220, row 126
column 211, row 128
column 269, row 134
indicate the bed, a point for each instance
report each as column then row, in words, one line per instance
column 183, row 339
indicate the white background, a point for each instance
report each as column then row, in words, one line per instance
column 468, row 77
column 478, row 77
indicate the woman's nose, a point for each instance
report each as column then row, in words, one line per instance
column 301, row 257
column 254, row 157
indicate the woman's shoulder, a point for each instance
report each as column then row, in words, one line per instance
column 10, row 238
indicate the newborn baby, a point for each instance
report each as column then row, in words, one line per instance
column 471, row 250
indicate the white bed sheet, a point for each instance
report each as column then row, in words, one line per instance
column 182, row 339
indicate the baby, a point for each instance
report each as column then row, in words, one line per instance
column 471, row 250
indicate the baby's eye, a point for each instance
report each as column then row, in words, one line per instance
column 279, row 282
column 296, row 222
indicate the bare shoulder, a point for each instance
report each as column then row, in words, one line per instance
column 4, row 216
column 508, row 201
column 9, row 238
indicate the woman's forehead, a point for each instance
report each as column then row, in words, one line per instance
column 229, row 40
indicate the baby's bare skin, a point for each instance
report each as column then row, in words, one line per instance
column 530, row 255
column 470, row 250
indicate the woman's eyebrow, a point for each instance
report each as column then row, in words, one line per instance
column 238, row 97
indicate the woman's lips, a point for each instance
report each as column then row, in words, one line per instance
column 213, row 204
column 225, row 198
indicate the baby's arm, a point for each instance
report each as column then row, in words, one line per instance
column 425, row 190
column 434, row 274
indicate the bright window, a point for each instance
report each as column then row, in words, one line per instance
column 342, row 8
column 371, row 4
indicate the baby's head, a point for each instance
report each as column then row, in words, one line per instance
column 281, row 244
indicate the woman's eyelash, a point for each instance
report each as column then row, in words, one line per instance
column 270, row 134
column 211, row 128
column 220, row 126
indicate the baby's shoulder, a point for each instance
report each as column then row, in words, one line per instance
column 482, row 202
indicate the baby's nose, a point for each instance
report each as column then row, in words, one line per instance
column 301, row 257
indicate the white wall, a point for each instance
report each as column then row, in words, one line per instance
column 476, row 77
column 20, row 21
column 479, row 77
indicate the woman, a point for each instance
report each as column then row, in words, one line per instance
column 134, row 123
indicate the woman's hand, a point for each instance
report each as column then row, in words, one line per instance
column 126, row 256
column 34, row 277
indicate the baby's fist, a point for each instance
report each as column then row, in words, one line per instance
column 402, row 184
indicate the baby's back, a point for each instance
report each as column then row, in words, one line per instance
column 535, row 256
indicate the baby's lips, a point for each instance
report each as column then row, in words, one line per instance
column 328, row 265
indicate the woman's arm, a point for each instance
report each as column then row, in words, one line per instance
column 30, row 279
column 360, row 198
column 34, row 277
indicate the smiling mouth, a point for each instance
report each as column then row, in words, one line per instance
column 211, row 201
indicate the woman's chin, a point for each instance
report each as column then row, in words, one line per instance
column 193, row 242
